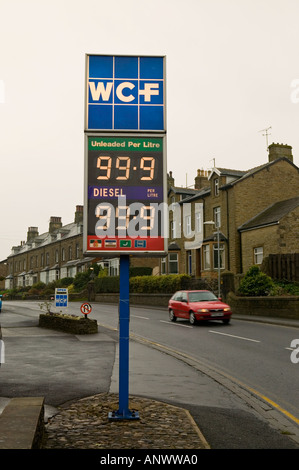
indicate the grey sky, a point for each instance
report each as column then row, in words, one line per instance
column 230, row 69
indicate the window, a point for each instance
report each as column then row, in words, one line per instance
column 77, row 251
column 198, row 222
column 189, row 262
column 258, row 255
column 70, row 252
column 63, row 254
column 163, row 266
column 172, row 229
column 56, row 256
column 217, row 216
column 173, row 263
column 221, row 256
column 188, row 225
column 216, row 187
column 206, row 257
column 184, row 297
column 42, row 260
column 47, row 259
column 114, row 267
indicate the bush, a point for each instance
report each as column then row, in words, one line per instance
column 80, row 281
column 140, row 271
column 285, row 287
column 167, row 284
column 256, row 283
column 107, row 284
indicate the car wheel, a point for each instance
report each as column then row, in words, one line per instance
column 192, row 318
column 226, row 321
column 172, row 316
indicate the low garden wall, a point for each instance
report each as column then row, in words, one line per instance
column 152, row 300
column 280, row 307
column 74, row 325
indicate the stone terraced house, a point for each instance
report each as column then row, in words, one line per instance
column 255, row 211
column 49, row 256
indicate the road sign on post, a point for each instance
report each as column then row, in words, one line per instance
column 86, row 308
column 125, row 182
column 61, row 297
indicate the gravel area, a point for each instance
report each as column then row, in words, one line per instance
column 85, row 424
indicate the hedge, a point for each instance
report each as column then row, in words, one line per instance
column 167, row 284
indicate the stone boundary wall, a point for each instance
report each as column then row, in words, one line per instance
column 280, row 307
column 152, row 300
column 76, row 325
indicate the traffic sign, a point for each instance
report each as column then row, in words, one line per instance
column 86, row 308
column 61, row 297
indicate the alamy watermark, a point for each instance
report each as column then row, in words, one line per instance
column 295, row 93
column 295, row 352
column 2, row 352
column 152, row 220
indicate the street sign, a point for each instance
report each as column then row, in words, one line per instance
column 125, row 194
column 61, row 297
column 86, row 308
column 125, row 93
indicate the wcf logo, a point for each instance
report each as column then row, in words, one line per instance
column 101, row 91
column 125, row 92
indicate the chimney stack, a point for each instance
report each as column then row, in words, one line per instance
column 279, row 150
column 170, row 180
column 55, row 224
column 201, row 180
column 32, row 233
column 79, row 215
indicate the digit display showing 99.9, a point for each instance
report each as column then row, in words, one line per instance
column 128, row 169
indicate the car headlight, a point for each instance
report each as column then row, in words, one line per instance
column 203, row 310
column 226, row 309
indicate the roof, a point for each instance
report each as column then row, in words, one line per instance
column 47, row 238
column 227, row 172
column 254, row 170
column 271, row 215
column 178, row 190
column 199, row 194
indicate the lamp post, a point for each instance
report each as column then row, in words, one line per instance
column 211, row 222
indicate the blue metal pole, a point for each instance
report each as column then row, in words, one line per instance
column 124, row 321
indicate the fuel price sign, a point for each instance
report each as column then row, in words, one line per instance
column 125, row 194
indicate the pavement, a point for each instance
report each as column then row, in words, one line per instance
column 65, row 368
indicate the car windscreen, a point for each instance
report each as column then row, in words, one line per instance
column 201, row 296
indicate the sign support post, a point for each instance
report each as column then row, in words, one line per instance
column 124, row 320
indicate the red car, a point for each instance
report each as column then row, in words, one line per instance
column 198, row 305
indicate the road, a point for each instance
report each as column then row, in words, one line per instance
column 254, row 354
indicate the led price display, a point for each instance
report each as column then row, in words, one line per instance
column 125, row 194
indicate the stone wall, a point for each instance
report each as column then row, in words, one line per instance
column 280, row 307
column 151, row 300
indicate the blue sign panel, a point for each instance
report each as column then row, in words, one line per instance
column 125, row 93
column 61, row 297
